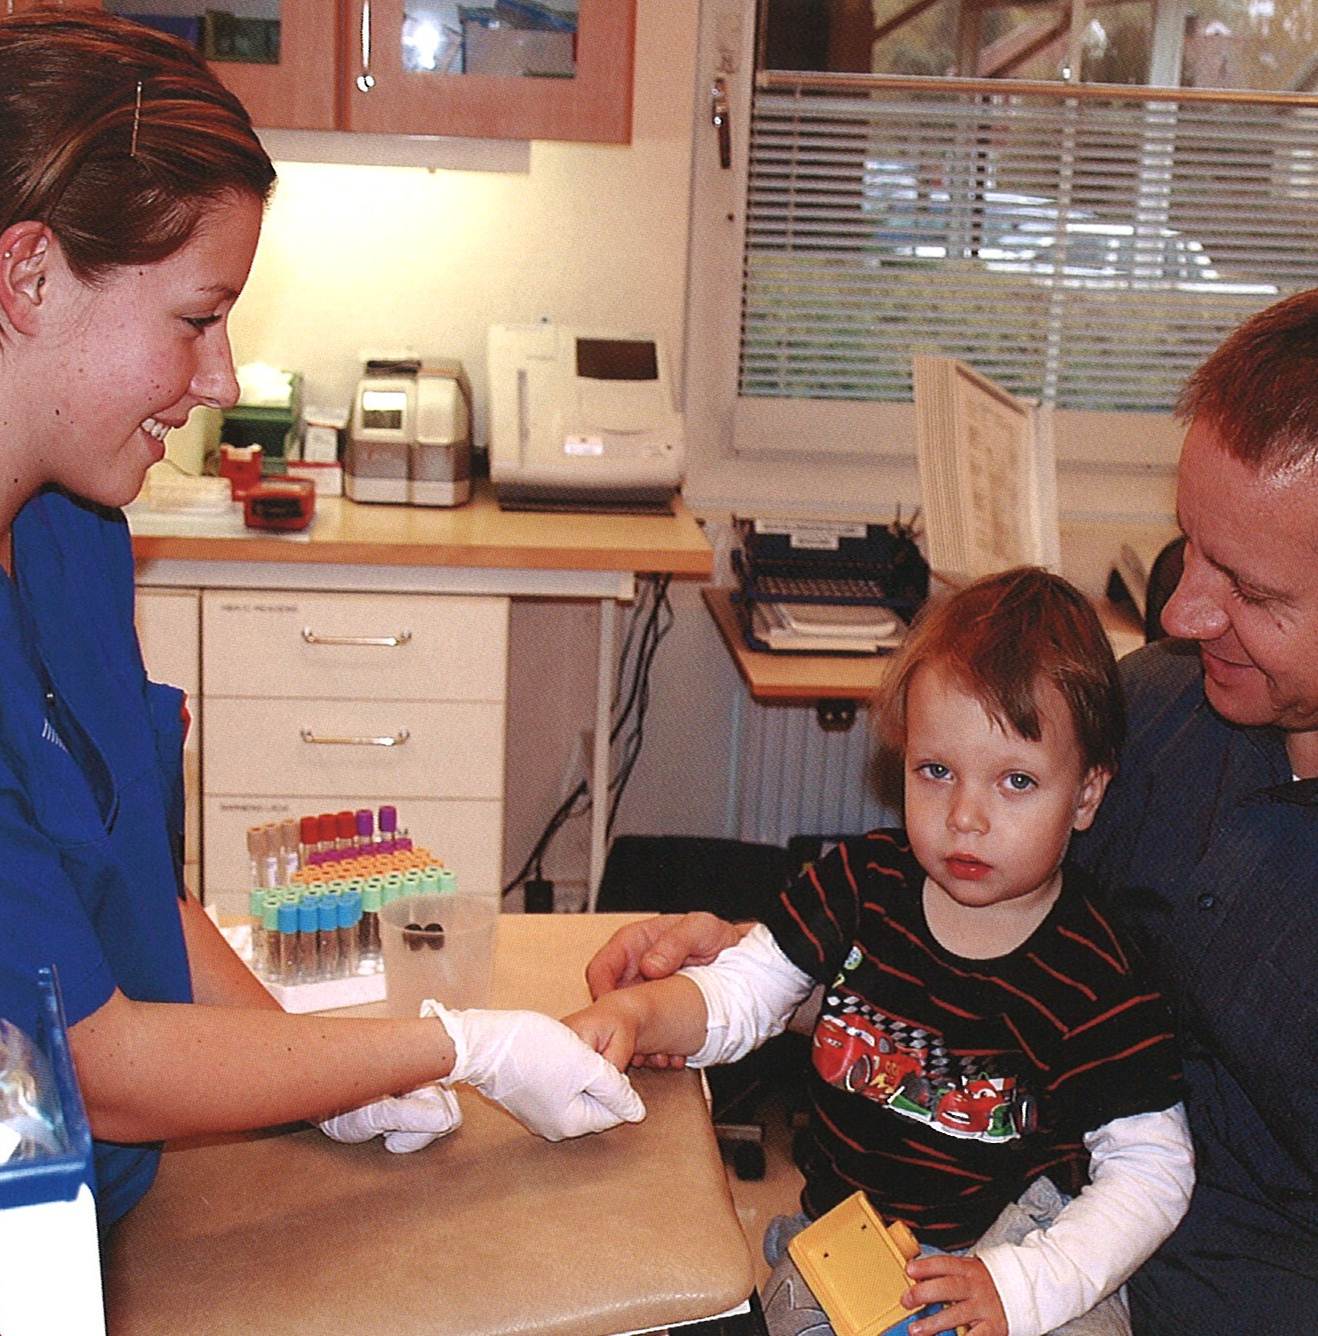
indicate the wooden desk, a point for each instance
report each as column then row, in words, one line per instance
column 843, row 677
column 490, row 1230
column 793, row 677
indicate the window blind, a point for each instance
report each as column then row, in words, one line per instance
column 1077, row 245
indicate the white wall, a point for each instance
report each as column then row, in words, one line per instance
column 359, row 258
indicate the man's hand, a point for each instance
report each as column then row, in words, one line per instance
column 654, row 949
column 659, row 946
column 965, row 1289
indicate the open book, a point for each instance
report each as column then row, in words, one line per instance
column 988, row 475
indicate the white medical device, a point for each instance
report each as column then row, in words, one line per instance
column 409, row 436
column 581, row 420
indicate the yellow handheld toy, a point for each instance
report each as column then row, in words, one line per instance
column 855, row 1266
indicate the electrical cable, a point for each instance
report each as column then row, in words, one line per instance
column 650, row 621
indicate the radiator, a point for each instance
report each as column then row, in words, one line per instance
column 795, row 778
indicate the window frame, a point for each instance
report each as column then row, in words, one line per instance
column 803, row 456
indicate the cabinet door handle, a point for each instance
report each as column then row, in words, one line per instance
column 386, row 642
column 395, row 740
column 366, row 80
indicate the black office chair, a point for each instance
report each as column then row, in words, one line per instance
column 1164, row 576
column 675, row 874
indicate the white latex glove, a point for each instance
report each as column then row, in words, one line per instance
column 538, row 1070
column 408, row 1122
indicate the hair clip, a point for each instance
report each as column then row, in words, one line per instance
column 137, row 118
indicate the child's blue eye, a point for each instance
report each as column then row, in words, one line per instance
column 933, row 770
column 1019, row 783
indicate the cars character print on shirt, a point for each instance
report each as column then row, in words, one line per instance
column 908, row 1070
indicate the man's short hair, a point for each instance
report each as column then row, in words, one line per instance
column 1259, row 390
column 1001, row 637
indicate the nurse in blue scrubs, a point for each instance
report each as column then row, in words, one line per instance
column 131, row 196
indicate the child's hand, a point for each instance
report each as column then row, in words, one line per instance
column 965, row 1288
column 607, row 1027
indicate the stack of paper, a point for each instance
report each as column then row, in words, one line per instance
column 829, row 628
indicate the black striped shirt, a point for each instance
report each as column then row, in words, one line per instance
column 942, row 1086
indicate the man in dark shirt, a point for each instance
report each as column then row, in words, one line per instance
column 1209, row 837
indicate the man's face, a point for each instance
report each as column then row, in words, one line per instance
column 1249, row 593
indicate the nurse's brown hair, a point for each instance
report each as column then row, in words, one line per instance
column 117, row 137
column 1259, row 389
column 1000, row 637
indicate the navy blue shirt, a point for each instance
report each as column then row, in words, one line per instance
column 90, row 792
column 1215, row 848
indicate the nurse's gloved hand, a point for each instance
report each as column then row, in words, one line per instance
column 408, row 1122
column 538, row 1070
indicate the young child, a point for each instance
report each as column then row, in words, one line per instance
column 983, row 1024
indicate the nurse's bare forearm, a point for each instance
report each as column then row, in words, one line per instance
column 219, row 977
column 150, row 1071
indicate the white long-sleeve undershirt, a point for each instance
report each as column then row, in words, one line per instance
column 1141, row 1167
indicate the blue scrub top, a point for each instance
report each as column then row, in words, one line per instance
column 91, row 792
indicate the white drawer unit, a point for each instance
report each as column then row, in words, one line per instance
column 169, row 629
column 320, row 701
column 389, row 749
column 355, row 646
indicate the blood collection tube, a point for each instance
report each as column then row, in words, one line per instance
column 306, row 832
column 448, row 881
column 255, row 863
column 388, row 823
column 326, row 824
column 270, row 854
column 288, row 935
column 269, row 965
column 365, row 823
column 350, row 913
column 345, row 830
column 255, row 908
column 327, row 937
column 308, row 927
column 289, row 859
column 368, row 930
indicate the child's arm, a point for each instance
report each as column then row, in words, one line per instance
column 1142, row 1171
column 712, row 1013
column 666, row 1016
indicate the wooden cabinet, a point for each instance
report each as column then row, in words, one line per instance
column 22, row 6
column 341, row 67
column 301, row 91
column 594, row 104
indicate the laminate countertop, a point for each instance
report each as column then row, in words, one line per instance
column 477, row 534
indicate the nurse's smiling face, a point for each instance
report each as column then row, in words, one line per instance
column 1249, row 592
column 139, row 350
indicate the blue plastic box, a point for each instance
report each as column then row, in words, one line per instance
column 48, row 1235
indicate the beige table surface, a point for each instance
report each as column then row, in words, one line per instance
column 478, row 533
column 490, row 1230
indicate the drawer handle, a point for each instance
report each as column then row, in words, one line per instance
column 396, row 740
column 385, row 642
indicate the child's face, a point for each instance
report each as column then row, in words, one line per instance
column 990, row 813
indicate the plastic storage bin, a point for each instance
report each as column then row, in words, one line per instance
column 49, row 1250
